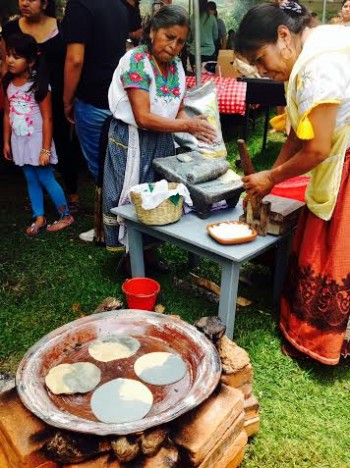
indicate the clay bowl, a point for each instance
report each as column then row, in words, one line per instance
column 156, row 332
column 233, row 240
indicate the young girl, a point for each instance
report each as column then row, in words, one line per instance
column 28, row 124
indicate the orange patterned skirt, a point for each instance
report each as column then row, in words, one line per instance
column 315, row 304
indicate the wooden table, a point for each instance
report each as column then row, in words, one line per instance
column 190, row 234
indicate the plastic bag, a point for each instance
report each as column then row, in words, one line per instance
column 203, row 100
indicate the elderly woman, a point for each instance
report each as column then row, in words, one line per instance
column 146, row 100
column 38, row 19
column 315, row 63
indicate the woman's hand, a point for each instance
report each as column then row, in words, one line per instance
column 44, row 159
column 259, row 184
column 7, row 152
column 202, row 129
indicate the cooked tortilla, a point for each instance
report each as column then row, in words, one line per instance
column 115, row 347
column 121, row 401
column 80, row 377
column 160, row 368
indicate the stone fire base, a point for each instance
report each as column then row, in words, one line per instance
column 213, row 435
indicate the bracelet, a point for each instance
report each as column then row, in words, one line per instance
column 45, row 151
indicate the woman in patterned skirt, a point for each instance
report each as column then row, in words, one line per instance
column 315, row 64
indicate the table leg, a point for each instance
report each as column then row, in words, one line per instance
column 136, row 252
column 282, row 257
column 228, row 295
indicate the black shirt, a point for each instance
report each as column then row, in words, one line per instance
column 54, row 50
column 103, row 26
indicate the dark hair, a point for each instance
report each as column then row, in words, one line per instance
column 212, row 6
column 166, row 17
column 204, row 8
column 50, row 9
column 259, row 25
column 26, row 46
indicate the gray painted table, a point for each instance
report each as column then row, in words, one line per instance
column 190, row 234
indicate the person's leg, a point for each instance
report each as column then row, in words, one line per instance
column 67, row 157
column 35, row 190
column 36, row 197
column 88, row 123
column 47, row 180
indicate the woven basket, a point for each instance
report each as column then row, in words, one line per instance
column 165, row 213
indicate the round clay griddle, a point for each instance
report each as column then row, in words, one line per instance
column 156, row 332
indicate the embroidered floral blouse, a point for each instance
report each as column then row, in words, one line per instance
column 138, row 69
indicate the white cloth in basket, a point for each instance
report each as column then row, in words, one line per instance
column 153, row 194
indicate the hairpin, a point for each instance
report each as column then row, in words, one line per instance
column 289, row 5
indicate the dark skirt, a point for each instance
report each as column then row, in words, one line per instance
column 152, row 145
column 315, row 305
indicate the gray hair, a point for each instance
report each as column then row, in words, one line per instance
column 166, row 17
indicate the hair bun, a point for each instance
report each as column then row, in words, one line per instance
column 290, row 5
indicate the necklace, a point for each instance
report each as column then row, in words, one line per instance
column 163, row 74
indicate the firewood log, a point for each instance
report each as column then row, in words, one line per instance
column 72, row 447
column 152, row 440
column 126, row 448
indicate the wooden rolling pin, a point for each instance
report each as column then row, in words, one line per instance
column 248, row 168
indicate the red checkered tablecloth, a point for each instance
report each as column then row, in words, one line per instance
column 231, row 93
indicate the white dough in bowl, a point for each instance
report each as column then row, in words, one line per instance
column 121, row 401
column 160, row 368
column 80, row 377
column 115, row 347
column 231, row 230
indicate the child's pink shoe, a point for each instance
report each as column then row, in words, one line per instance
column 62, row 223
column 35, row 228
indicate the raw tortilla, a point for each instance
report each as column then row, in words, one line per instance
column 160, row 368
column 121, row 401
column 80, row 377
column 115, row 347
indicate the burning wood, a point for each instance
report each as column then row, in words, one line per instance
column 73, row 447
column 126, row 448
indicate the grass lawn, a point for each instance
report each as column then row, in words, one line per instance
column 52, row 279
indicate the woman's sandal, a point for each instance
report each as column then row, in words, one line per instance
column 62, row 223
column 35, row 228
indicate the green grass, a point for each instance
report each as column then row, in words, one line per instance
column 52, row 279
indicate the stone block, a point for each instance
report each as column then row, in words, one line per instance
column 224, row 444
column 251, row 407
column 246, row 389
column 236, row 452
column 198, row 431
column 238, row 378
column 20, row 443
column 252, row 426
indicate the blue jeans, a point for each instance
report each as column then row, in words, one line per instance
column 88, row 124
column 40, row 178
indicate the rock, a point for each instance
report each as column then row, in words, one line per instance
column 212, row 327
column 110, row 303
column 233, row 358
column 7, row 381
